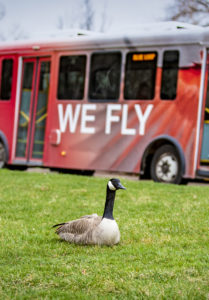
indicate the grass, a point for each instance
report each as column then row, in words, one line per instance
column 163, row 253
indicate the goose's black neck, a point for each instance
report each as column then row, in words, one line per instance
column 109, row 204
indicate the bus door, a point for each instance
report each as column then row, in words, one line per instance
column 205, row 138
column 33, row 109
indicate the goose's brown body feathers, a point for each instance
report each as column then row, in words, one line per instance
column 79, row 231
column 79, row 226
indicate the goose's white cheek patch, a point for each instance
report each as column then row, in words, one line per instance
column 111, row 186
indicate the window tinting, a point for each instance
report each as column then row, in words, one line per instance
column 6, row 79
column 41, row 110
column 28, row 76
column 71, row 77
column 105, row 76
column 169, row 75
column 207, row 101
column 25, row 105
column 140, row 75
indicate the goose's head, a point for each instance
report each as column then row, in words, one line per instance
column 114, row 184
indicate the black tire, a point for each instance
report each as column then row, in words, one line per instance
column 17, row 168
column 2, row 155
column 166, row 165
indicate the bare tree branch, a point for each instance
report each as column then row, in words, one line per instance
column 191, row 11
column 2, row 11
column 60, row 23
column 105, row 21
column 84, row 16
column 88, row 18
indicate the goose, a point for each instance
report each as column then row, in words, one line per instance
column 93, row 229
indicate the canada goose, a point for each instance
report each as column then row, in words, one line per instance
column 93, row 229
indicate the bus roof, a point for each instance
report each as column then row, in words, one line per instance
column 145, row 35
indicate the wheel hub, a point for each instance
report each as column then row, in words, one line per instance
column 167, row 168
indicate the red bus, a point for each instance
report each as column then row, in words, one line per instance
column 136, row 103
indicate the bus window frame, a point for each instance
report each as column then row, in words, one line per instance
column 71, row 53
column 177, row 77
column 123, row 52
column 2, row 58
column 120, row 77
column 154, row 50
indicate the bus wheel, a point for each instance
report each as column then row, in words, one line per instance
column 166, row 165
column 2, row 155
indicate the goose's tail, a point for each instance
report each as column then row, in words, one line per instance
column 58, row 225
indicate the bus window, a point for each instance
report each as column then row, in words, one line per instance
column 71, row 77
column 41, row 110
column 206, row 118
column 105, row 76
column 169, row 75
column 140, row 75
column 6, row 79
column 24, row 114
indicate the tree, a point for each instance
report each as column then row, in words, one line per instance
column 2, row 11
column 88, row 16
column 14, row 31
column 83, row 16
column 2, row 14
column 190, row 11
column 105, row 21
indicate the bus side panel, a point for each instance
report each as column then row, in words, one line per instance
column 114, row 136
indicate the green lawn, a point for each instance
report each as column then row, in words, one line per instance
column 163, row 253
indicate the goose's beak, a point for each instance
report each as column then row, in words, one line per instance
column 120, row 186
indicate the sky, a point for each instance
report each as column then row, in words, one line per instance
column 23, row 17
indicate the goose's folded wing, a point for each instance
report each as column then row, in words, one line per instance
column 81, row 225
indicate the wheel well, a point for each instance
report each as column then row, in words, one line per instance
column 149, row 152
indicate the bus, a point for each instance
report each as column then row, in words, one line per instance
column 135, row 102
